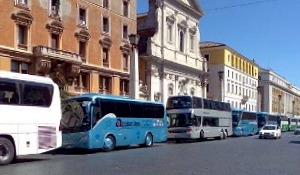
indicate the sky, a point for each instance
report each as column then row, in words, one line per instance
column 267, row 31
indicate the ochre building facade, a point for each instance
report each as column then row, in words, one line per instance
column 82, row 45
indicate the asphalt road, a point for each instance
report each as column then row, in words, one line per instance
column 233, row 156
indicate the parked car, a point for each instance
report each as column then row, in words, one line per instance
column 297, row 130
column 270, row 131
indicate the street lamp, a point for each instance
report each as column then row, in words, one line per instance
column 221, row 77
column 134, row 67
column 279, row 106
column 293, row 109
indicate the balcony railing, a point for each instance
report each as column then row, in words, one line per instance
column 45, row 51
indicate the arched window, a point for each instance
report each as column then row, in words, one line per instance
column 170, row 89
column 192, row 91
column 181, row 41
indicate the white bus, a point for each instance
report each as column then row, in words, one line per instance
column 193, row 117
column 30, row 113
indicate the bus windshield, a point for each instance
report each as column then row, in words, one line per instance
column 180, row 120
column 235, row 119
column 179, row 102
column 75, row 117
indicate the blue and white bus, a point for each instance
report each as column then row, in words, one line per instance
column 197, row 118
column 244, row 122
column 262, row 118
column 92, row 121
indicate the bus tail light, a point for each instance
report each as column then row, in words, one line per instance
column 189, row 129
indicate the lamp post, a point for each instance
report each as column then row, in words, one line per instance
column 221, row 77
column 279, row 105
column 293, row 108
column 258, row 99
column 134, row 67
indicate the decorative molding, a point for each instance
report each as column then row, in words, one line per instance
column 125, row 48
column 170, row 19
column 106, row 42
column 55, row 27
column 72, row 71
column 193, row 30
column 183, row 25
column 82, row 35
column 22, row 17
column 43, row 66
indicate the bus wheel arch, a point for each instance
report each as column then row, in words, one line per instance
column 225, row 133
column 148, row 139
column 7, row 149
column 109, row 143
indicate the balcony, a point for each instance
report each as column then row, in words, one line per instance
column 48, row 52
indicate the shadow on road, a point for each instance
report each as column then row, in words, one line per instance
column 295, row 142
column 76, row 151
column 27, row 160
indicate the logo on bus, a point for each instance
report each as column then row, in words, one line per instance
column 119, row 123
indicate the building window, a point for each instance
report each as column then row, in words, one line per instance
column 207, row 88
column 171, row 89
column 82, row 49
column 22, row 3
column 105, row 25
column 228, row 87
column 55, row 8
column 82, row 17
column 125, row 62
column 181, row 41
column 19, row 67
column 105, row 4
column 206, row 56
column 124, row 87
column 170, row 32
column 22, row 37
column 85, row 81
column 125, row 32
column 105, row 84
column 192, row 41
column 125, row 8
column 192, row 91
column 54, row 41
column 105, row 54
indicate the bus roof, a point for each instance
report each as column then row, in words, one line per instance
column 25, row 77
column 113, row 97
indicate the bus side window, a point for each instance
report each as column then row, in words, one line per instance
column 9, row 92
column 96, row 115
column 197, row 120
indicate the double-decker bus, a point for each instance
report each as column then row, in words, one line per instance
column 30, row 113
column 93, row 121
column 244, row 122
column 193, row 117
column 284, row 123
column 262, row 118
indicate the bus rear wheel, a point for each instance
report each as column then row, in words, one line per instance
column 109, row 143
column 148, row 140
column 7, row 151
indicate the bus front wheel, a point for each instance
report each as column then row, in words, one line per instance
column 7, row 151
column 148, row 140
column 109, row 143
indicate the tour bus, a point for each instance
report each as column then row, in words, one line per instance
column 197, row 118
column 244, row 122
column 262, row 118
column 30, row 113
column 97, row 121
column 292, row 121
column 273, row 119
column 284, row 123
